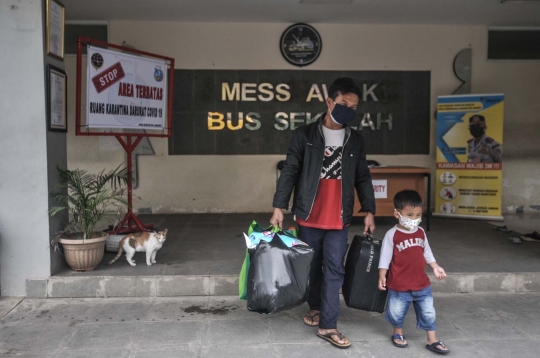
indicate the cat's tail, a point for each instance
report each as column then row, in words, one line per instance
column 120, row 250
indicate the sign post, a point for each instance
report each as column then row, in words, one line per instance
column 126, row 89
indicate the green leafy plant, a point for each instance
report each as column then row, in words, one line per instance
column 90, row 198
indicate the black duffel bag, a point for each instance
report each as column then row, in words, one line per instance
column 278, row 277
column 360, row 288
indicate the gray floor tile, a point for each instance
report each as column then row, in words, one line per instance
column 239, row 350
column 462, row 348
column 22, row 313
column 483, row 326
column 35, row 338
column 14, row 354
column 7, row 304
column 110, row 335
column 446, row 329
column 351, row 314
column 226, row 308
column 373, row 329
column 505, row 348
column 387, row 350
column 455, row 304
column 287, row 329
column 311, row 350
column 236, row 332
column 107, row 353
column 530, row 323
column 62, row 311
column 170, row 334
column 192, row 267
column 517, row 304
column 176, row 309
column 296, row 312
column 167, row 352
column 110, row 310
column 229, row 266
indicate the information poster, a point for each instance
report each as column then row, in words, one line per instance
column 469, row 156
column 125, row 91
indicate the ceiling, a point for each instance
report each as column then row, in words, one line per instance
column 441, row 12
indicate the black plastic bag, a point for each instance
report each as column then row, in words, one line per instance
column 278, row 277
column 360, row 288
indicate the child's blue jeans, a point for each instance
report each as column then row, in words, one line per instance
column 399, row 303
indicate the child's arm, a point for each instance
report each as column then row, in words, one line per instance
column 430, row 259
column 382, row 279
column 428, row 254
column 387, row 251
column 438, row 270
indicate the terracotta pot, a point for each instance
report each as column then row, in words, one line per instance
column 84, row 255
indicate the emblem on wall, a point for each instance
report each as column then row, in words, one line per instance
column 300, row 44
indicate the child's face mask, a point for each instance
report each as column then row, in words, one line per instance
column 408, row 223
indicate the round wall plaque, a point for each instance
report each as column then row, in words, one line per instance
column 300, row 44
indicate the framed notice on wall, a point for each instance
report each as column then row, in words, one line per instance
column 57, row 100
column 55, row 29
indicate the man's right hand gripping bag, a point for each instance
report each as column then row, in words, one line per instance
column 278, row 277
column 360, row 288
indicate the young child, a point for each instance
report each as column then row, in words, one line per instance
column 405, row 252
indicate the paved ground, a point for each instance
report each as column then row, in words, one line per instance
column 212, row 244
column 472, row 326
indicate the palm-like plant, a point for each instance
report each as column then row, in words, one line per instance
column 90, row 198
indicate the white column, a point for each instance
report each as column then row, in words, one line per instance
column 24, row 222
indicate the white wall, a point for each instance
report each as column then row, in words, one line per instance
column 245, row 183
column 24, row 223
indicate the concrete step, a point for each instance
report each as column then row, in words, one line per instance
column 222, row 285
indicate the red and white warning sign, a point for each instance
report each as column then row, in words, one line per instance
column 108, row 77
column 125, row 91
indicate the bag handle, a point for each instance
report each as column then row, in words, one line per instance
column 369, row 235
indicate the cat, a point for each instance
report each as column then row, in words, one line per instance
column 149, row 242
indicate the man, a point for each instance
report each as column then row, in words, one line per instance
column 481, row 148
column 325, row 162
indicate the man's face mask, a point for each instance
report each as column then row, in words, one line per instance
column 342, row 114
column 477, row 130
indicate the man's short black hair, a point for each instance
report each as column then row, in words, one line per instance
column 480, row 118
column 407, row 197
column 343, row 85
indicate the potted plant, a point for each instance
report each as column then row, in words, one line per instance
column 90, row 199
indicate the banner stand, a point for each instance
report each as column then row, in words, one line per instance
column 130, row 218
column 130, row 222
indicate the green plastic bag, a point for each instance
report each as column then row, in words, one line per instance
column 242, row 281
column 243, row 278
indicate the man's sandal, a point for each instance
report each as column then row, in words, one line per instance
column 328, row 337
column 433, row 347
column 401, row 338
column 312, row 319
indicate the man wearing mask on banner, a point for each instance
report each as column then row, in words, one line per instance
column 325, row 163
column 481, row 148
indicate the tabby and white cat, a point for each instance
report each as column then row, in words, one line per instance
column 149, row 242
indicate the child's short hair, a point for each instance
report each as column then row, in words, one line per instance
column 407, row 197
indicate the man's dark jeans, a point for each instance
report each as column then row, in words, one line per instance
column 327, row 271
